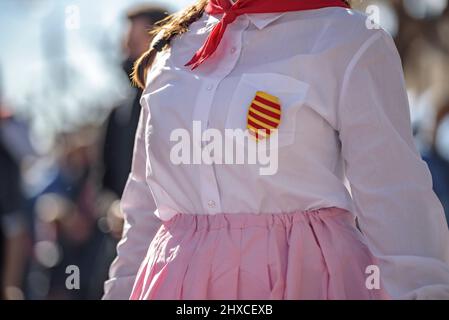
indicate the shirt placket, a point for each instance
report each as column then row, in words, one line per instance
column 210, row 194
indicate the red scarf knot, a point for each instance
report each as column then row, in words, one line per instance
column 229, row 17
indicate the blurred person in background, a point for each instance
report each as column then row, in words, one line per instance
column 65, row 225
column 122, row 123
column 14, row 233
column 10, row 207
column 437, row 158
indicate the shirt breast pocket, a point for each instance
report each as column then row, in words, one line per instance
column 289, row 93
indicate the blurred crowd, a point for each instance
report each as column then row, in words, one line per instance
column 61, row 207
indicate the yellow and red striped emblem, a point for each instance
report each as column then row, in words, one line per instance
column 264, row 115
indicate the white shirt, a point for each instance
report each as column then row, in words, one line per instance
column 345, row 117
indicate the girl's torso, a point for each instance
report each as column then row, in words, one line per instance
column 298, row 57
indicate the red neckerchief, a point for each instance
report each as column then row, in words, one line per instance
column 232, row 11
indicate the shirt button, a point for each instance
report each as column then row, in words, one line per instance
column 209, row 87
column 233, row 49
column 211, row 204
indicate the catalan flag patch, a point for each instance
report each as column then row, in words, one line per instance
column 264, row 115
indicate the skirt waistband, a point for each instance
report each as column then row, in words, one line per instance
column 243, row 220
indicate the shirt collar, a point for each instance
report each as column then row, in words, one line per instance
column 261, row 20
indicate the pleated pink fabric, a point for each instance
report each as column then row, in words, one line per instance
column 317, row 254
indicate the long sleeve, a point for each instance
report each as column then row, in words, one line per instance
column 398, row 212
column 141, row 224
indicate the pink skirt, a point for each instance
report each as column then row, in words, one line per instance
column 315, row 254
